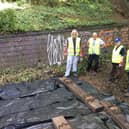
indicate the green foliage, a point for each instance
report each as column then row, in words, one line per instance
column 7, row 20
column 82, row 66
column 50, row 16
column 106, row 55
column 20, row 74
column 21, row 2
column 58, row 70
column 51, row 3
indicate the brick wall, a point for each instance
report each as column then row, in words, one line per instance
column 31, row 48
column 22, row 50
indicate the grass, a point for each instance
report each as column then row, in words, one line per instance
column 28, row 74
column 20, row 75
column 40, row 17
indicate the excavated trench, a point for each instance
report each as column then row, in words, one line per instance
column 32, row 105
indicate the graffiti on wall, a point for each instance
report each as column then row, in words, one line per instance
column 55, row 46
column 56, row 43
column 109, row 35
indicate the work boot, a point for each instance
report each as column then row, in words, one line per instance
column 75, row 74
column 66, row 76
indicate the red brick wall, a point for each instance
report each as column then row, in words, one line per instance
column 109, row 35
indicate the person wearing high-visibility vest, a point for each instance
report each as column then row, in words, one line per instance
column 94, row 45
column 117, row 60
column 73, row 50
column 127, row 70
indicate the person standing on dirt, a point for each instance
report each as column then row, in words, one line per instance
column 73, row 50
column 127, row 70
column 118, row 54
column 94, row 45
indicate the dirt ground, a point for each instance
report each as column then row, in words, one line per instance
column 101, row 82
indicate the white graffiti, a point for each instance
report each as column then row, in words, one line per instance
column 55, row 46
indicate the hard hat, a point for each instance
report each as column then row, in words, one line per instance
column 117, row 39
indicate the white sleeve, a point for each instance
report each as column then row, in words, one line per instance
column 89, row 40
column 102, row 42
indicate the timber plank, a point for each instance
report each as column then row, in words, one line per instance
column 90, row 101
column 60, row 123
column 116, row 116
column 96, row 105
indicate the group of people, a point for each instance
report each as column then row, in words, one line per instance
column 73, row 50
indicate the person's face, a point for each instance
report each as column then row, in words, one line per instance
column 94, row 36
column 117, row 43
column 74, row 34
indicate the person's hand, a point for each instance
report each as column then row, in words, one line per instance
column 65, row 52
column 121, row 64
column 81, row 53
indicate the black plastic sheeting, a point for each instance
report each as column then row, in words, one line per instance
column 32, row 105
column 23, row 89
column 28, row 104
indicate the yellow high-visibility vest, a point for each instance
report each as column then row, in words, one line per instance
column 116, row 57
column 71, row 46
column 94, row 46
column 127, row 61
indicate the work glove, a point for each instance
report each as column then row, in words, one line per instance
column 81, row 53
column 65, row 51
